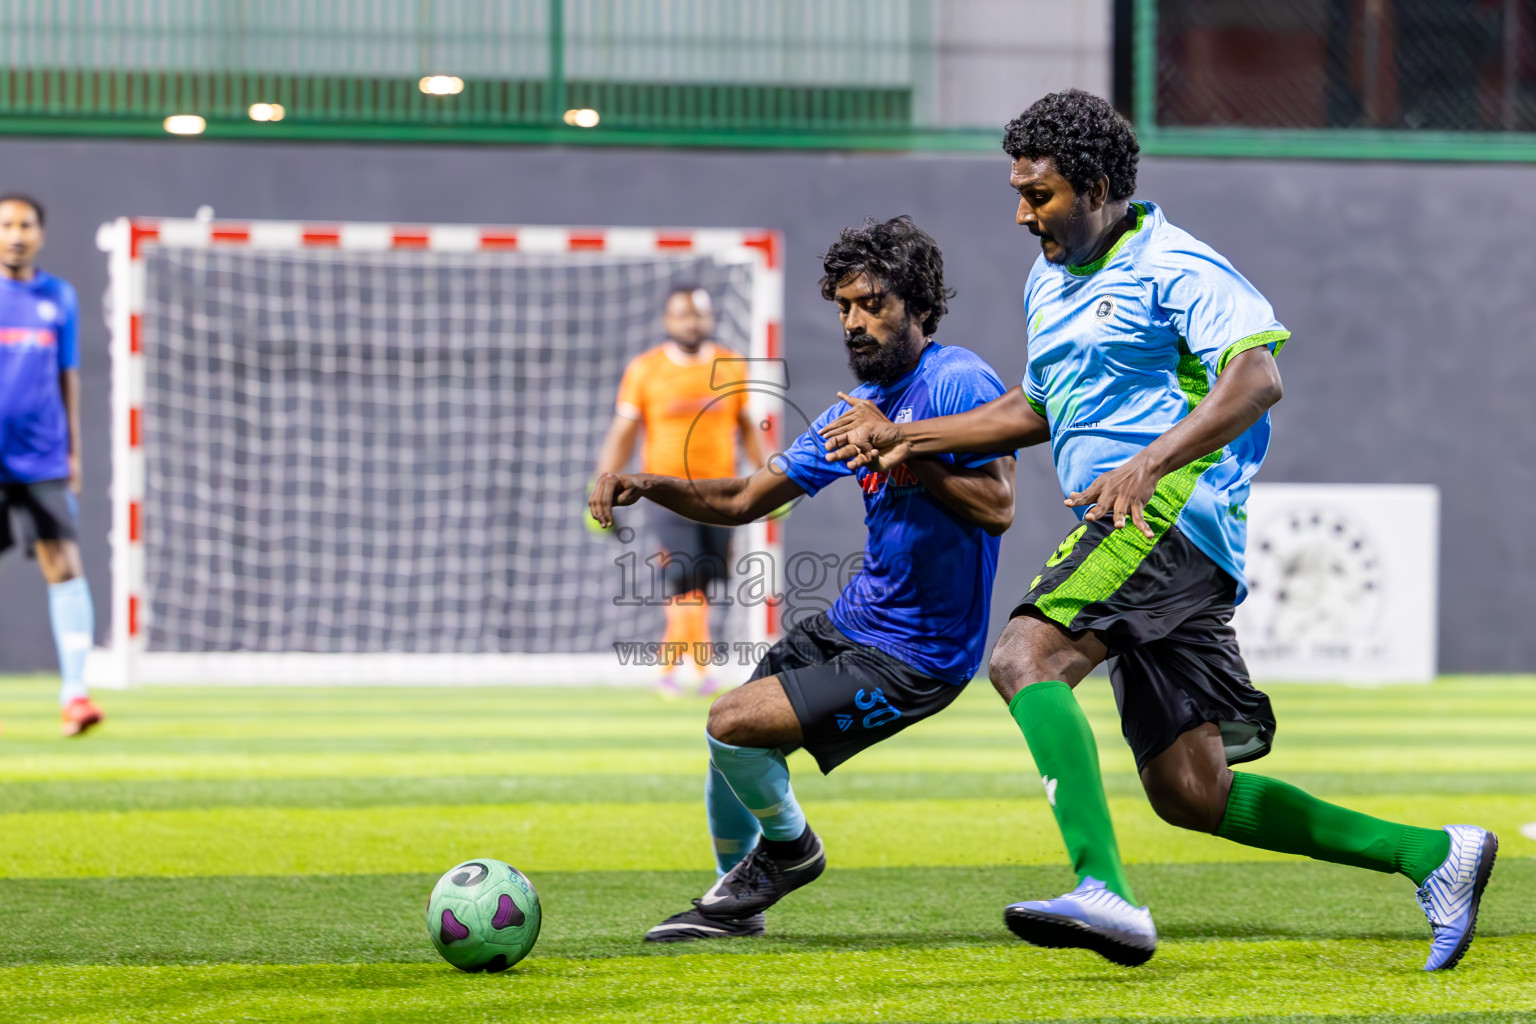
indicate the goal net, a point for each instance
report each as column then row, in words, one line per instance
column 359, row 453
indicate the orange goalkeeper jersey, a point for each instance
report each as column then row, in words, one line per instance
column 690, row 428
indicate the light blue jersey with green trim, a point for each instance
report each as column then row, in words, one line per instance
column 1123, row 348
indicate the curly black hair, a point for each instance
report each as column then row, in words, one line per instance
column 901, row 255
column 1083, row 134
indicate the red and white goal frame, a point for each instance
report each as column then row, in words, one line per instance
column 127, row 239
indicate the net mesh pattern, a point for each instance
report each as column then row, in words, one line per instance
column 1445, row 65
column 388, row 452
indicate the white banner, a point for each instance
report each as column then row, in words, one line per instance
column 1342, row 583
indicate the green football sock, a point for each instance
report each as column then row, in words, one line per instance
column 1068, row 761
column 1275, row 815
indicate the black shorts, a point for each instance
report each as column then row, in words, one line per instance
column 849, row 696
column 1164, row 610
column 33, row 512
column 697, row 553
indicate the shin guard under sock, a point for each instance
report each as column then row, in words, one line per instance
column 1274, row 815
column 74, row 623
column 1068, row 761
column 760, row 779
column 731, row 826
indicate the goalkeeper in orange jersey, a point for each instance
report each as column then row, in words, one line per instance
column 690, row 432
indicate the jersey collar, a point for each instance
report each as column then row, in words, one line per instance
column 674, row 351
column 1086, row 269
column 35, row 281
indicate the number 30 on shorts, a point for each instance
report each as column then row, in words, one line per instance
column 882, row 714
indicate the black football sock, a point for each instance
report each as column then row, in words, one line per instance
column 790, row 849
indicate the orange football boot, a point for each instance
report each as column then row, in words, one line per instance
column 79, row 715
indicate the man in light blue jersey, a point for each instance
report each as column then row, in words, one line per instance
column 40, row 442
column 906, row 634
column 1150, row 372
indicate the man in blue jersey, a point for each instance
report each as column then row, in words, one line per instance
column 1150, row 373
column 40, row 441
column 904, row 636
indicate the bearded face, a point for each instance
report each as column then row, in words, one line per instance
column 878, row 362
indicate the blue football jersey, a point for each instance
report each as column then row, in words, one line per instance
column 926, row 584
column 1122, row 349
column 38, row 339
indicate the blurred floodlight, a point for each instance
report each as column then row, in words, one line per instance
column 267, row 112
column 185, row 124
column 586, row 117
column 441, row 85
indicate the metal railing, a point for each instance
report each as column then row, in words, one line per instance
column 743, row 72
column 1390, row 79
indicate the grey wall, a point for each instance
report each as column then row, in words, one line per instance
column 1409, row 289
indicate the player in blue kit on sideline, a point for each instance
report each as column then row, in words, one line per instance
column 40, row 442
column 905, row 635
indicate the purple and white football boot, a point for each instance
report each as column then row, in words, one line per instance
column 1452, row 893
column 1088, row 917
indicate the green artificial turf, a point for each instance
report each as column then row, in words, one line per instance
column 417, row 790
column 1224, row 980
column 265, row 854
column 377, row 918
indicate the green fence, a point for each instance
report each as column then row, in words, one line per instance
column 1387, row 79
column 734, row 72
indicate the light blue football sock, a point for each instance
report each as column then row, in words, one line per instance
column 760, row 779
column 74, row 630
column 731, row 826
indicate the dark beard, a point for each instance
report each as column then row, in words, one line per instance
column 887, row 364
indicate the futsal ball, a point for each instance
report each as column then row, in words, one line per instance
column 483, row 915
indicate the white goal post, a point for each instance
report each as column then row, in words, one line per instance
column 356, row 453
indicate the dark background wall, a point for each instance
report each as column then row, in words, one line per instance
column 1408, row 289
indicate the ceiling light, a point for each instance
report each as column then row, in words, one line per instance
column 185, row 124
column 441, row 85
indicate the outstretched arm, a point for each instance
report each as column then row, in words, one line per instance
column 983, row 495
column 1246, row 389
column 728, row 502
column 863, row 436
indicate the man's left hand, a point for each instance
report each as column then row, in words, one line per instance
column 74, row 473
column 863, row 436
column 1122, row 492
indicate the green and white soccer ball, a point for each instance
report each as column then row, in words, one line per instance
column 483, row 915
